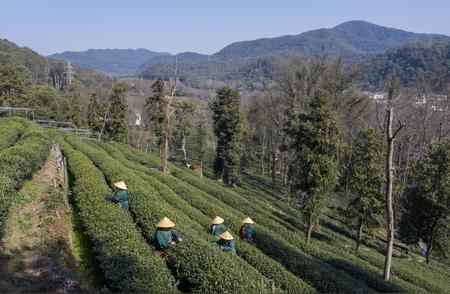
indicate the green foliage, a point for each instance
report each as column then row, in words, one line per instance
column 314, row 170
column 49, row 104
column 366, row 177
column 228, row 129
column 9, row 132
column 414, row 64
column 118, row 127
column 127, row 262
column 95, row 115
column 76, row 112
column 18, row 162
column 153, row 105
column 184, row 111
column 12, row 84
column 428, row 201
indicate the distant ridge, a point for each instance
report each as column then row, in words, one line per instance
column 118, row 62
column 249, row 64
column 244, row 62
column 345, row 40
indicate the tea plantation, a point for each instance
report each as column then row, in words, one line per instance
column 122, row 243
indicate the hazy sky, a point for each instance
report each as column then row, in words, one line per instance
column 51, row 26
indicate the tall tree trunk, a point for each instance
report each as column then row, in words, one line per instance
column 165, row 154
column 201, row 168
column 183, row 147
column 274, row 162
column 104, row 122
column 310, row 229
column 389, row 199
column 360, row 232
column 263, row 153
column 431, row 239
column 427, row 260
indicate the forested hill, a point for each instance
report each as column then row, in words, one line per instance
column 28, row 79
column 345, row 40
column 427, row 61
column 249, row 65
column 110, row 61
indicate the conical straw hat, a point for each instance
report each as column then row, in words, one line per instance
column 121, row 185
column 226, row 236
column 165, row 223
column 217, row 220
column 248, row 220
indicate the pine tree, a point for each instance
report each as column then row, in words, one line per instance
column 428, row 201
column 154, row 108
column 94, row 116
column 184, row 110
column 227, row 118
column 366, row 176
column 314, row 170
column 118, row 113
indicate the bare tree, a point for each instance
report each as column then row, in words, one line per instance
column 390, row 136
column 168, row 111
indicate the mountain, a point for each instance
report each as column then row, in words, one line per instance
column 249, row 65
column 425, row 61
column 345, row 40
column 184, row 57
column 118, row 62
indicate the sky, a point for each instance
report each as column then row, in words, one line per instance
column 52, row 26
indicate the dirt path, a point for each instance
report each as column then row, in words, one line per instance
column 36, row 252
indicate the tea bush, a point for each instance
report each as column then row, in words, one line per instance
column 10, row 131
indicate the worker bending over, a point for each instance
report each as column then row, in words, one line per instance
column 226, row 242
column 119, row 195
column 247, row 231
column 166, row 236
column 217, row 226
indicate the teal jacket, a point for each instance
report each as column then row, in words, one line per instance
column 248, row 232
column 119, row 197
column 227, row 246
column 163, row 238
column 216, row 230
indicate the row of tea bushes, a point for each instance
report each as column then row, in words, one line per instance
column 128, row 264
column 177, row 194
column 18, row 163
column 221, row 272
